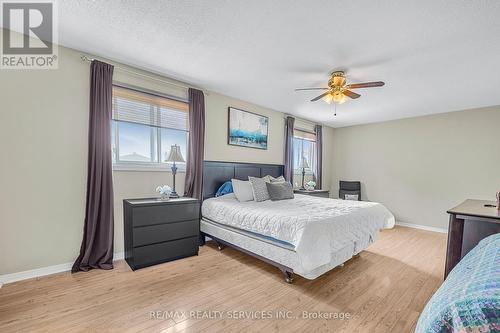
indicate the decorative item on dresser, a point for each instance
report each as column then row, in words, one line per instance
column 165, row 192
column 315, row 193
column 310, row 185
column 157, row 231
column 470, row 222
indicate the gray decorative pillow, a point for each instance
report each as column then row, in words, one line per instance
column 267, row 178
column 280, row 190
column 259, row 189
column 280, row 179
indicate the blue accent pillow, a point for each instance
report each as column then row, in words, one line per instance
column 226, row 188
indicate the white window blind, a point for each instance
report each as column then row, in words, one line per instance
column 141, row 108
column 145, row 127
column 297, row 133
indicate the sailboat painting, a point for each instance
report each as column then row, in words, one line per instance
column 247, row 129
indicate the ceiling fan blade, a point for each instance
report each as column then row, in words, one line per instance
column 351, row 94
column 300, row 89
column 320, row 96
column 365, row 85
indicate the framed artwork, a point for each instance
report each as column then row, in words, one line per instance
column 247, row 129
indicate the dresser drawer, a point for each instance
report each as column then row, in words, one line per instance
column 321, row 194
column 165, row 232
column 162, row 252
column 143, row 216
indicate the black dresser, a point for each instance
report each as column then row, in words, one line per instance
column 315, row 193
column 158, row 231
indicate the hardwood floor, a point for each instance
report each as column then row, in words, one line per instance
column 382, row 290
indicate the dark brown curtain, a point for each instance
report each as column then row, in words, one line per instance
column 289, row 125
column 97, row 245
column 318, row 129
column 194, row 167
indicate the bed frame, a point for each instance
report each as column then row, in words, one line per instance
column 216, row 173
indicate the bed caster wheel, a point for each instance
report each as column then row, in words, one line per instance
column 220, row 246
column 288, row 276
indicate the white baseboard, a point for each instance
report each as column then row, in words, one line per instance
column 423, row 227
column 43, row 271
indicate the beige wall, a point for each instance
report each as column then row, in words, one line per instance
column 43, row 142
column 43, row 138
column 420, row 167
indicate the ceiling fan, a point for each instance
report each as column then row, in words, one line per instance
column 338, row 90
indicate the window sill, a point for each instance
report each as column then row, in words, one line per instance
column 146, row 168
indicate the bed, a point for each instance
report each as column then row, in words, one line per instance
column 306, row 235
column 469, row 299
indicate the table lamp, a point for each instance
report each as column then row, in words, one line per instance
column 174, row 156
column 303, row 165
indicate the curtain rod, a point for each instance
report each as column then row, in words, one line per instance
column 302, row 119
column 85, row 58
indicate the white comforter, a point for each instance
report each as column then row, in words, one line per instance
column 316, row 227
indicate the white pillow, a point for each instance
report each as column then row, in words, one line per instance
column 354, row 197
column 242, row 189
column 229, row 196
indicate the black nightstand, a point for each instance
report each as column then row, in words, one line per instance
column 315, row 193
column 158, row 231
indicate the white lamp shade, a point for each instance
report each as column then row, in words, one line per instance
column 303, row 163
column 175, row 154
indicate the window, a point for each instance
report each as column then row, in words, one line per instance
column 304, row 145
column 144, row 127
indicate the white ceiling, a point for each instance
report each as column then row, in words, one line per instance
column 434, row 55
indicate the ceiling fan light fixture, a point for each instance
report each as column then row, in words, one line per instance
column 328, row 98
column 338, row 90
column 339, row 98
column 337, row 81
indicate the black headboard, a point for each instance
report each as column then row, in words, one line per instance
column 216, row 173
